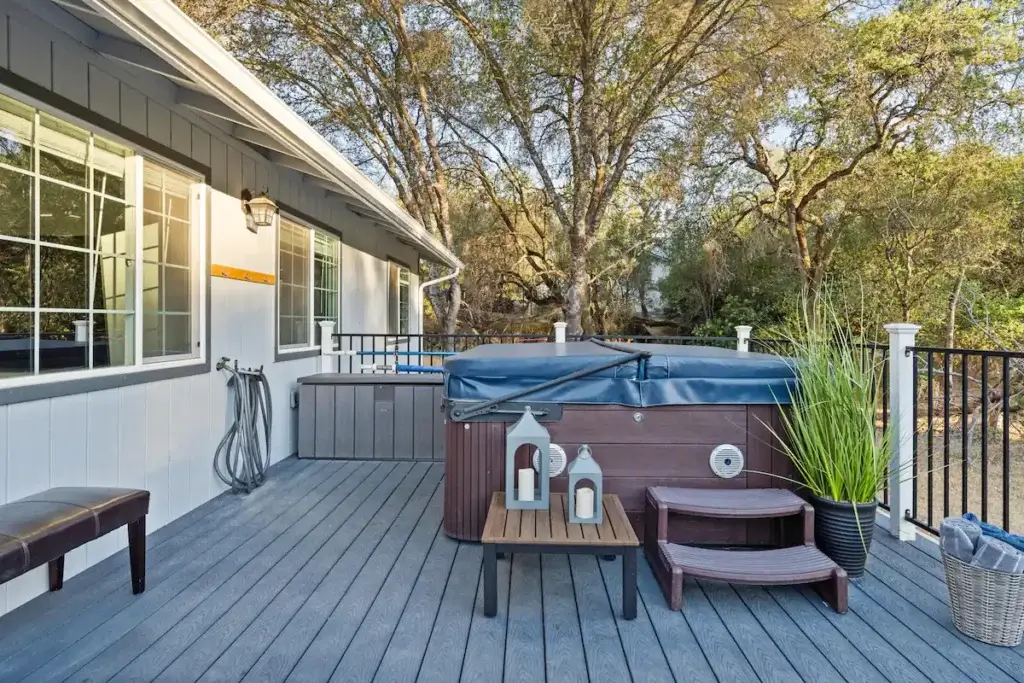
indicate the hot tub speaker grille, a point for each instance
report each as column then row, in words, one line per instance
column 726, row 461
column 556, row 462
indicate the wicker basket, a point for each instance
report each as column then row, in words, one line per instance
column 987, row 605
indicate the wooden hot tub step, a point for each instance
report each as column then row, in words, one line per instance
column 803, row 564
column 728, row 503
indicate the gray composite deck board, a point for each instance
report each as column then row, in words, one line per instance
column 340, row 571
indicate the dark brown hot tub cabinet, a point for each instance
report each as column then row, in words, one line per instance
column 706, row 398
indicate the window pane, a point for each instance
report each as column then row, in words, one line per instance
column 109, row 162
column 58, row 348
column 151, row 236
column 152, row 335
column 16, row 133
column 16, row 343
column 16, row 200
column 112, row 340
column 63, row 150
column 176, row 288
column 109, row 225
column 114, row 280
column 178, row 330
column 63, row 278
column 63, row 215
column 17, row 274
column 176, row 242
column 176, row 205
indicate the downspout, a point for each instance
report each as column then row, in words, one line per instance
column 423, row 287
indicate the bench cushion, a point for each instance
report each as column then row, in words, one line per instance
column 42, row 527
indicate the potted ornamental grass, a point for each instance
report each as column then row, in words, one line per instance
column 830, row 433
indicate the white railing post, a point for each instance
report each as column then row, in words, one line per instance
column 560, row 332
column 743, row 337
column 902, row 427
column 81, row 330
column 327, row 346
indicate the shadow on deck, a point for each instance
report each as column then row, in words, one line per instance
column 339, row 571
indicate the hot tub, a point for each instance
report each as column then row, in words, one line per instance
column 651, row 413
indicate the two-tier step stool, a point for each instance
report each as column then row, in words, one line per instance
column 798, row 564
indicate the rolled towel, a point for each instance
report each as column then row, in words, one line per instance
column 998, row 555
column 996, row 532
column 959, row 537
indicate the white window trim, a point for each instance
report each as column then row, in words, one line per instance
column 398, row 334
column 297, row 349
column 199, row 225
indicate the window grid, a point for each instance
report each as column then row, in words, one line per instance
column 326, row 281
column 167, row 274
column 78, row 244
column 25, row 131
column 294, row 284
column 399, row 278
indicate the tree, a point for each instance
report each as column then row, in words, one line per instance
column 927, row 222
column 369, row 75
column 802, row 126
column 576, row 96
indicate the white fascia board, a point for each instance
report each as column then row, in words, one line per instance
column 167, row 31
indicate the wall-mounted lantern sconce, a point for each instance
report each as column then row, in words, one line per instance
column 259, row 211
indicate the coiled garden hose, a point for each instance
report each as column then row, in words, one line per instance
column 243, row 455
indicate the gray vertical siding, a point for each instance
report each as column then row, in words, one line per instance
column 371, row 417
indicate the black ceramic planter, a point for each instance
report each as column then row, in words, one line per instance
column 842, row 534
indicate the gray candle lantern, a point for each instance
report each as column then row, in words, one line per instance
column 585, row 469
column 535, row 494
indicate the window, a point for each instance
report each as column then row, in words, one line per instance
column 308, row 289
column 71, row 295
column 326, row 281
column 398, row 298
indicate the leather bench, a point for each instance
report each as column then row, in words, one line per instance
column 41, row 528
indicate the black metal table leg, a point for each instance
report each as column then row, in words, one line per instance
column 629, row 584
column 491, row 580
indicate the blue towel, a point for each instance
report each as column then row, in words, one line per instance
column 995, row 532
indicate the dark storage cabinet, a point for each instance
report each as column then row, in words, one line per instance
column 371, row 417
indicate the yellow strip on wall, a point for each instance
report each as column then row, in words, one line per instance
column 242, row 274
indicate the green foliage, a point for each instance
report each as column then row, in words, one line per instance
column 830, row 432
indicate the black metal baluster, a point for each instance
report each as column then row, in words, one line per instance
column 914, row 461
column 885, row 414
column 946, row 383
column 930, row 416
column 1006, row 442
column 984, row 438
column 965, row 366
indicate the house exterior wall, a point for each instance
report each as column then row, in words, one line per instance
column 161, row 435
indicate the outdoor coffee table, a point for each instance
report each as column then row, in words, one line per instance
column 548, row 531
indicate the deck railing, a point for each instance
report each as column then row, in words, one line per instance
column 968, row 441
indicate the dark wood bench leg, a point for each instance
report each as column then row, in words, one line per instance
column 57, row 574
column 629, row 584
column 137, row 553
column 490, row 580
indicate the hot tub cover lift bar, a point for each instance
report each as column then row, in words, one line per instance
column 462, row 414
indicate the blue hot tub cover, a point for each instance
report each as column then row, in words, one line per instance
column 669, row 375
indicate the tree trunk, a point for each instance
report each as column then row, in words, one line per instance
column 576, row 294
column 451, row 315
column 954, row 304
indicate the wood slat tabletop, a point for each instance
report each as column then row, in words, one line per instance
column 552, row 526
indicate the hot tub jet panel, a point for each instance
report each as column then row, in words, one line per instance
column 689, row 400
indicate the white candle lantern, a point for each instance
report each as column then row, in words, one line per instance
column 525, row 490
column 584, row 502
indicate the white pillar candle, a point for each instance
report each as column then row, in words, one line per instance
column 526, row 484
column 584, row 502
